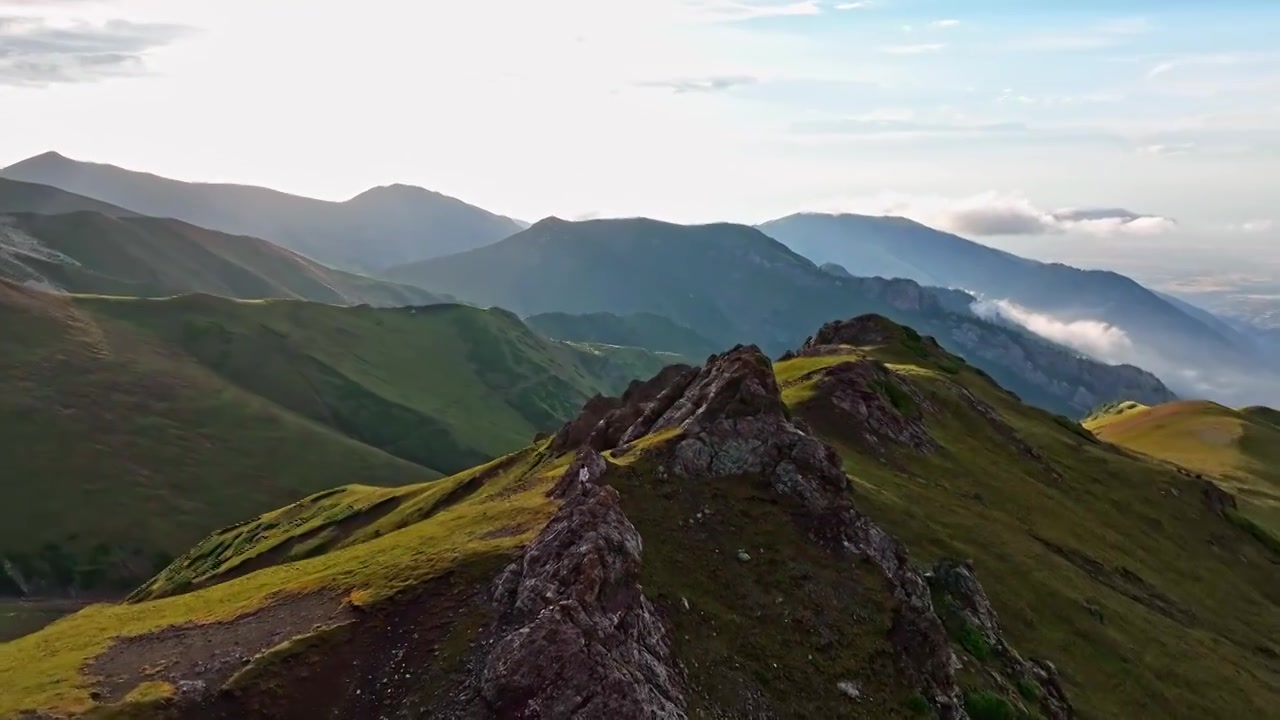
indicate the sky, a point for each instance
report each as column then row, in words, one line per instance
column 1099, row 131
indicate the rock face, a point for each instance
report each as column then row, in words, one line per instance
column 575, row 593
column 962, row 596
column 577, row 638
column 733, row 422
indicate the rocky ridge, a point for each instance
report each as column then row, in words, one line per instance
column 730, row 420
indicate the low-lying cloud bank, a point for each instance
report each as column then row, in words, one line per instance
column 993, row 213
column 1097, row 339
column 1111, row 344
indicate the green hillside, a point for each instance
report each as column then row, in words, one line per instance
column 1239, row 449
column 137, row 426
column 95, row 253
column 120, row 451
column 643, row 330
column 777, row 587
column 445, row 386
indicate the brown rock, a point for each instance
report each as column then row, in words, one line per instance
column 577, row 637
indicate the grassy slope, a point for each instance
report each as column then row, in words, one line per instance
column 446, row 386
column 644, row 330
column 120, row 452
column 1239, row 448
column 1201, row 643
column 154, row 257
column 1151, row 606
column 44, row 670
column 140, row 425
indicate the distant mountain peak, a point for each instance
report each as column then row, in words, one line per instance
column 45, row 158
column 394, row 192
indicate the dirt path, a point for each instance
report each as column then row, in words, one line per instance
column 206, row 656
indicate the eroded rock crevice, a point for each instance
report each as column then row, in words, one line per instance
column 576, row 637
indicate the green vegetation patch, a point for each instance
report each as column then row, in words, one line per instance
column 478, row 534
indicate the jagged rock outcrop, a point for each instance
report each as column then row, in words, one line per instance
column 605, row 421
column 577, row 638
column 733, row 422
column 961, row 596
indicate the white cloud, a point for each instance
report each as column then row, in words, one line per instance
column 1206, row 60
column 42, row 51
column 920, row 49
column 1167, row 149
column 945, row 23
column 714, row 83
column 854, row 6
column 735, row 10
column 1094, row 338
column 1254, row 227
column 995, row 214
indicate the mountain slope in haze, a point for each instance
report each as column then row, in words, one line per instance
column 92, row 253
column 1238, row 449
column 119, row 450
column 897, row 247
column 376, row 229
column 643, row 330
column 22, row 197
column 134, row 427
column 445, row 386
column 741, row 539
column 732, row 283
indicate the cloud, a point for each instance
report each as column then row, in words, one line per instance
column 1100, row 35
column 854, row 5
column 740, row 10
column 36, row 51
column 944, row 23
column 1206, row 60
column 1253, row 227
column 899, row 124
column 919, row 49
column 1094, row 338
column 1167, row 149
column 714, row 83
column 995, row 214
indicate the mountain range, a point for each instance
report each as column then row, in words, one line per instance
column 381, row 227
column 868, row 528
column 1101, row 313
column 397, row 231
column 734, row 284
column 282, row 458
